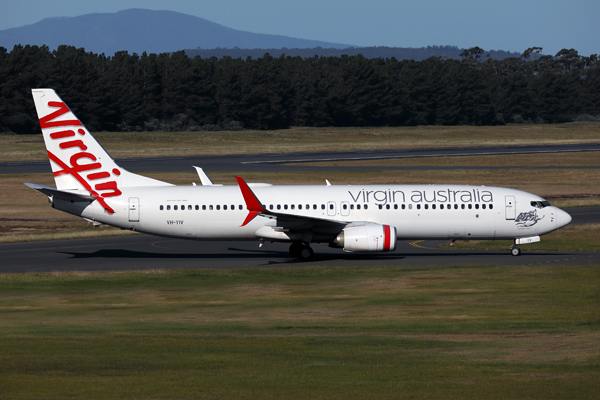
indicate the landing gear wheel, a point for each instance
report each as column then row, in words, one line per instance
column 306, row 253
column 295, row 249
column 515, row 251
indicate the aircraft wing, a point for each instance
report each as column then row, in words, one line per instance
column 285, row 222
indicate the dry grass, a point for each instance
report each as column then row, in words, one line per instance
column 156, row 144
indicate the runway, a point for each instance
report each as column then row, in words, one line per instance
column 277, row 162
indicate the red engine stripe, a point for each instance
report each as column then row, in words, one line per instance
column 386, row 238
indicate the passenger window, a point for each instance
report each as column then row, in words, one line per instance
column 491, row 206
column 314, row 206
column 418, row 206
column 344, row 206
column 410, row 206
column 308, row 206
column 483, row 206
column 366, row 206
column 175, row 208
column 189, row 207
column 426, row 206
column 292, row 206
column 387, row 206
column 456, row 206
column 279, row 206
column 168, row 208
column 380, row 206
column 218, row 207
column 285, row 206
column 299, row 206
column 197, row 208
column 470, row 206
column 462, row 206
column 161, row 208
column 233, row 207
column 225, row 207
column 352, row 206
column 477, row 206
column 203, row 208
column 322, row 206
column 358, row 206
column 241, row 208
column 404, row 206
column 441, row 206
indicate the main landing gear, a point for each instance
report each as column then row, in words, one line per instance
column 515, row 250
column 301, row 251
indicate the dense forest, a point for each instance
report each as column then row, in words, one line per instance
column 173, row 91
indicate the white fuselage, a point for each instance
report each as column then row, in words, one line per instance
column 416, row 211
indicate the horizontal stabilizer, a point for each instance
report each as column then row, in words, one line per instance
column 60, row 194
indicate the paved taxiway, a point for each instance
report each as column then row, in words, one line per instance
column 275, row 162
column 139, row 252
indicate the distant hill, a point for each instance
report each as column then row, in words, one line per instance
column 138, row 30
column 400, row 53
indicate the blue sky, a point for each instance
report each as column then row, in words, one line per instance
column 512, row 25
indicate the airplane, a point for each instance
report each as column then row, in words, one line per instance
column 354, row 218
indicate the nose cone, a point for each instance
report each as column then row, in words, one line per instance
column 562, row 218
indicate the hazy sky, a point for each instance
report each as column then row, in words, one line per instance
column 512, row 25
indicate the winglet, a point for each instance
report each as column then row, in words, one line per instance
column 252, row 203
column 203, row 177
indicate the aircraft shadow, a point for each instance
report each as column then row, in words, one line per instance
column 282, row 257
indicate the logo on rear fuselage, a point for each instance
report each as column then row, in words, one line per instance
column 93, row 170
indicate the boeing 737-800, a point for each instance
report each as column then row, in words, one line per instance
column 358, row 218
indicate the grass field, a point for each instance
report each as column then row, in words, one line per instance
column 153, row 144
column 450, row 332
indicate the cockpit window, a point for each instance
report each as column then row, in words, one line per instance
column 540, row 204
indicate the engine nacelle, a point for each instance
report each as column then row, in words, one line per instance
column 368, row 237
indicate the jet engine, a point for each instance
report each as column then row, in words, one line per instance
column 367, row 237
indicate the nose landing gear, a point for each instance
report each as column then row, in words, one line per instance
column 515, row 250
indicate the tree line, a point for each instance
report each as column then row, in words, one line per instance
column 401, row 53
column 174, row 92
